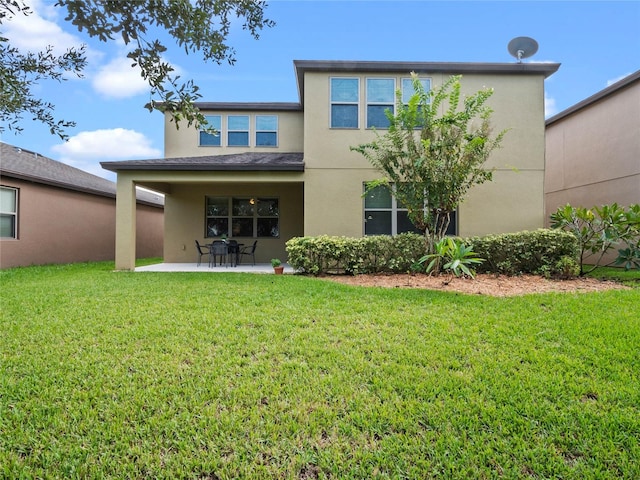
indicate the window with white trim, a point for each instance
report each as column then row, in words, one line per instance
column 266, row 130
column 345, row 102
column 408, row 90
column 380, row 98
column 238, row 130
column 8, row 212
column 208, row 139
column 384, row 215
column 242, row 217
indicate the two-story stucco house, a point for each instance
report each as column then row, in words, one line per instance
column 280, row 170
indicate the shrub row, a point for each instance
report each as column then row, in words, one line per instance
column 546, row 252
column 541, row 252
column 329, row 254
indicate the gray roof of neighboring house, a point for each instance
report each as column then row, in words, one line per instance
column 253, row 161
column 26, row 165
column 611, row 89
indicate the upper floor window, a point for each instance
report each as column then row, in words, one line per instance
column 212, row 139
column 266, row 130
column 345, row 98
column 380, row 98
column 238, row 130
column 408, row 90
column 8, row 212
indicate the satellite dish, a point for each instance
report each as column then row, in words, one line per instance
column 522, row 47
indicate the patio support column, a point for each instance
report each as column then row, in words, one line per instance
column 125, row 223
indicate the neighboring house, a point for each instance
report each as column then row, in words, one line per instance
column 280, row 170
column 593, row 150
column 54, row 213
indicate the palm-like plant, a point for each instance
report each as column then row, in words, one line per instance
column 451, row 255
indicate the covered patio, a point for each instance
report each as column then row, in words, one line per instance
column 195, row 191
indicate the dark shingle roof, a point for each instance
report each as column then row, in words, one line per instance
column 26, row 165
column 252, row 161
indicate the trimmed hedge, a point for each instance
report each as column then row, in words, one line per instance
column 331, row 254
column 540, row 252
column 543, row 252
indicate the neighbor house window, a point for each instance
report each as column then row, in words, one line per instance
column 380, row 98
column 242, row 217
column 208, row 139
column 238, row 130
column 383, row 215
column 345, row 98
column 266, row 130
column 8, row 212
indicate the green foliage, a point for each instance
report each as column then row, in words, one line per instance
column 334, row 254
column 451, row 255
column 20, row 72
column 430, row 159
column 538, row 252
column 276, row 262
column 201, row 25
column 599, row 229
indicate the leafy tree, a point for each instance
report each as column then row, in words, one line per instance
column 599, row 229
column 430, row 160
column 195, row 25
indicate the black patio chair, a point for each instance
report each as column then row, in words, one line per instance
column 201, row 250
column 220, row 249
column 249, row 251
column 233, row 248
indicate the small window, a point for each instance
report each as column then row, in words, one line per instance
column 380, row 98
column 211, row 139
column 345, row 97
column 408, row 90
column 217, row 211
column 268, row 221
column 238, row 130
column 8, row 212
column 266, row 130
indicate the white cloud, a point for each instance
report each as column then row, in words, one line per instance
column 37, row 31
column 615, row 80
column 550, row 107
column 118, row 79
column 86, row 149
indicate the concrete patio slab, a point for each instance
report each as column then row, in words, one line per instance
column 204, row 268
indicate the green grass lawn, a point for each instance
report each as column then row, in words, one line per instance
column 217, row 376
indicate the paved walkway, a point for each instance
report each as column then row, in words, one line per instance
column 204, row 267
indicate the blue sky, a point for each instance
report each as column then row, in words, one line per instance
column 596, row 42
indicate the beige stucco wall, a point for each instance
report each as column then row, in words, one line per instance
column 62, row 226
column 593, row 154
column 184, row 142
column 512, row 202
